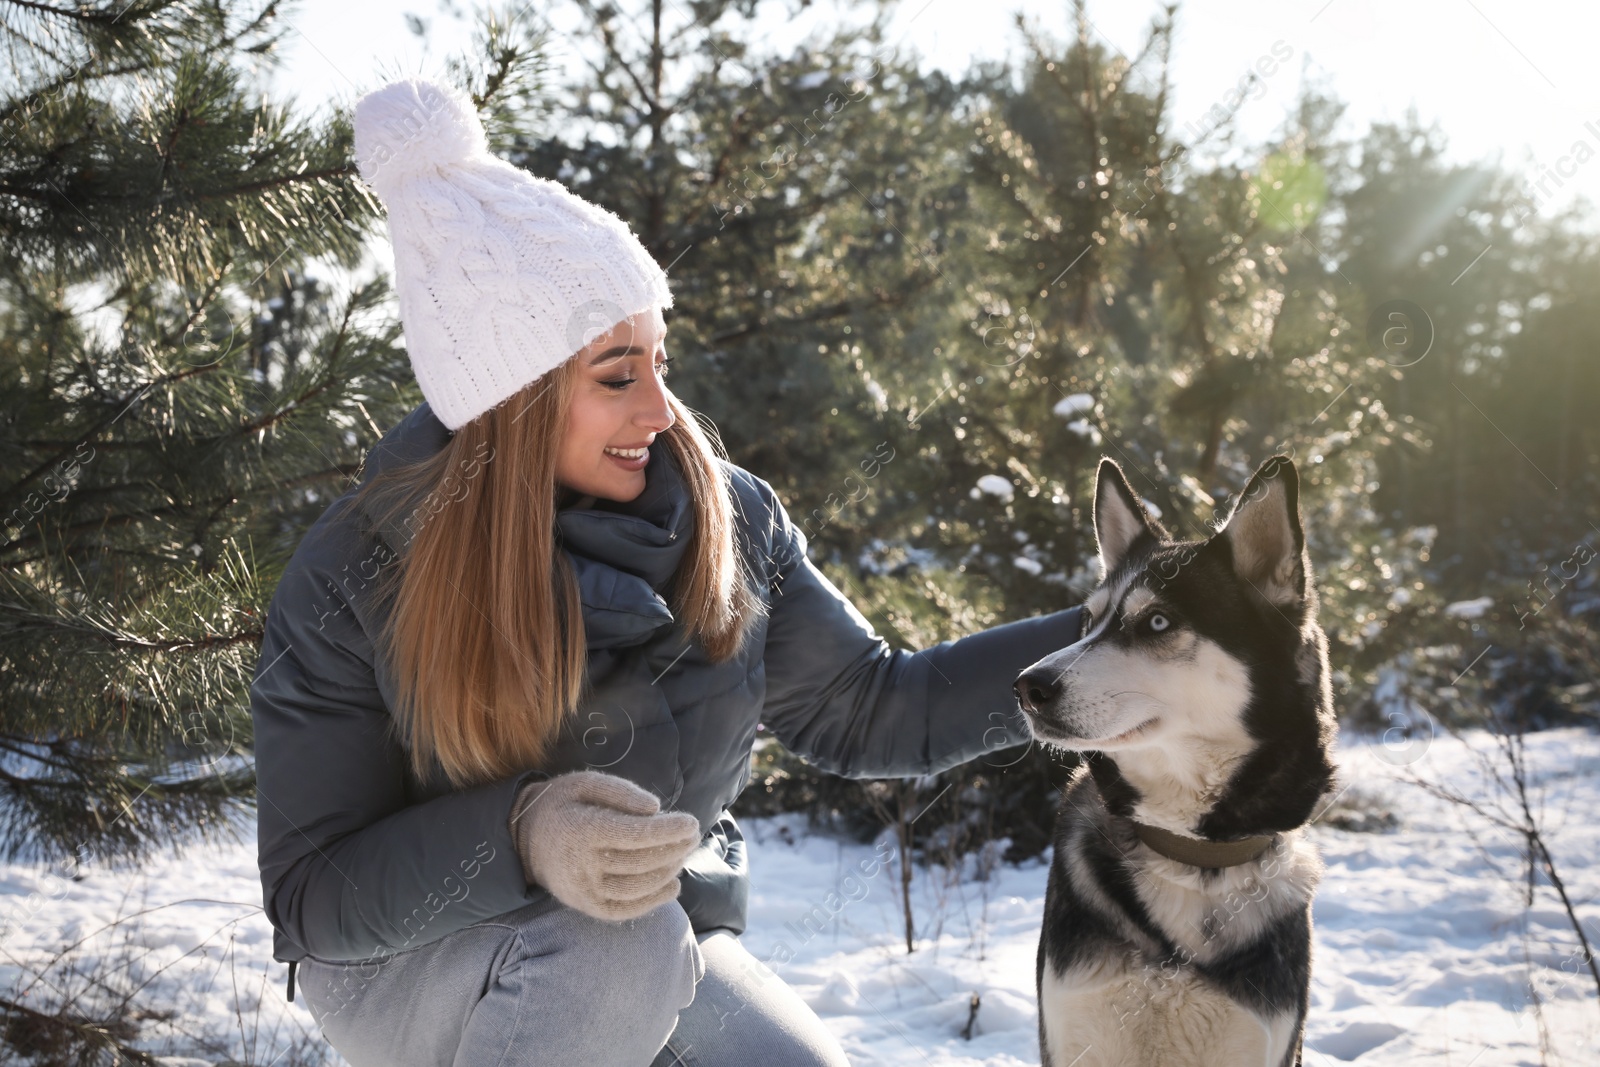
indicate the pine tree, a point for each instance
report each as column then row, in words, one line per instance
column 181, row 397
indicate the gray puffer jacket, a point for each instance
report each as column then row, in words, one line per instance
column 360, row 859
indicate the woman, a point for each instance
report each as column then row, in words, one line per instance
column 510, row 682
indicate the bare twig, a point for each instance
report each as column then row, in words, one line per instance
column 1511, row 776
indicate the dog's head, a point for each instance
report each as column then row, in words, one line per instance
column 1200, row 686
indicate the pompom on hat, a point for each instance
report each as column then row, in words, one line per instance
column 501, row 276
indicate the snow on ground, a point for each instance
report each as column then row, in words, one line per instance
column 1425, row 953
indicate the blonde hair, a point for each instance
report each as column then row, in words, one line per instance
column 485, row 631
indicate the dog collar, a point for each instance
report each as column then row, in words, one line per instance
column 1199, row 853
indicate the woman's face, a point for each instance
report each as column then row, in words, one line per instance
column 619, row 404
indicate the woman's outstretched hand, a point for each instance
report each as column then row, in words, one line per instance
column 601, row 844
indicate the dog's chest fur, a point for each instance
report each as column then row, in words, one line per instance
column 1190, row 1024
column 1143, row 960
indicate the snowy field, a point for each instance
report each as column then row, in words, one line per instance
column 1425, row 953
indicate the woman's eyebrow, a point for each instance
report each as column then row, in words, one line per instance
column 616, row 352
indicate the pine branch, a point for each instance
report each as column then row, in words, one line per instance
column 87, row 15
column 122, row 404
column 608, row 37
column 840, row 310
column 127, row 401
column 81, row 74
column 347, row 170
column 19, row 746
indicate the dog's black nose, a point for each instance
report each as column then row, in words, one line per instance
column 1035, row 689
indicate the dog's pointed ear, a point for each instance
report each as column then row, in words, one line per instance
column 1265, row 535
column 1119, row 517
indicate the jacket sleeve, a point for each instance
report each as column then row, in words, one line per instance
column 349, row 868
column 838, row 695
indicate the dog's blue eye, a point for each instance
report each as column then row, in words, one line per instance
column 1157, row 623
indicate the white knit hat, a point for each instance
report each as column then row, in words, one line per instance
column 501, row 275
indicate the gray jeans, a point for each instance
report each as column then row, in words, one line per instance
column 549, row 985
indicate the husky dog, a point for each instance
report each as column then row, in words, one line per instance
column 1177, row 918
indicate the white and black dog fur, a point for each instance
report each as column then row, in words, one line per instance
column 1177, row 917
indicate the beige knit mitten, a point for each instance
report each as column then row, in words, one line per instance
column 601, row 844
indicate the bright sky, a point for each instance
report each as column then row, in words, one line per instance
column 1506, row 79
